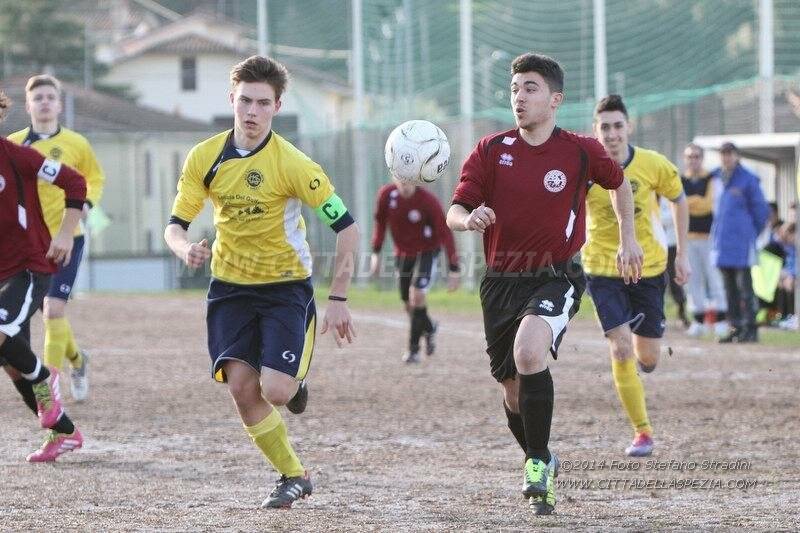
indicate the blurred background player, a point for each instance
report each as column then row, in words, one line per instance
column 739, row 219
column 706, row 292
column 524, row 189
column 261, row 315
column 28, row 257
column 48, row 137
column 670, row 240
column 632, row 315
column 419, row 229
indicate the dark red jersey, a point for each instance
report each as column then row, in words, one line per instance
column 537, row 193
column 24, row 238
column 417, row 223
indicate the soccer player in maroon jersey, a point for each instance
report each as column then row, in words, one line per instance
column 27, row 259
column 418, row 227
column 524, row 190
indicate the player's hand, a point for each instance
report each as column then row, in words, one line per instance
column 630, row 258
column 480, row 218
column 85, row 212
column 337, row 319
column 197, row 253
column 60, row 251
column 682, row 269
column 453, row 281
column 374, row 264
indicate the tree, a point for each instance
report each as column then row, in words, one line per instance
column 46, row 36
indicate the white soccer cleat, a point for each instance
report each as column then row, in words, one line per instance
column 79, row 379
column 721, row 328
column 696, row 329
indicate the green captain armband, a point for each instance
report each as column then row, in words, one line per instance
column 334, row 213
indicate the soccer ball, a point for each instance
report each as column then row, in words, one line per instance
column 417, row 150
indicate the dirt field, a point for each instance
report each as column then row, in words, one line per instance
column 394, row 448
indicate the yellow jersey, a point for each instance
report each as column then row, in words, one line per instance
column 70, row 148
column 650, row 174
column 257, row 199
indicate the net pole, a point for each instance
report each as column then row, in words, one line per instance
column 467, row 104
column 766, row 66
column 360, row 180
column 263, row 30
column 600, row 59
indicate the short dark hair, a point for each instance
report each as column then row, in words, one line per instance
column 43, row 80
column 5, row 103
column 695, row 146
column 544, row 65
column 612, row 102
column 261, row 69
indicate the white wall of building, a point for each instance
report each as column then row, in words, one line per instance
column 156, row 79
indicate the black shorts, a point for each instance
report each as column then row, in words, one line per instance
column 506, row 298
column 639, row 304
column 419, row 270
column 270, row 325
column 64, row 279
column 21, row 296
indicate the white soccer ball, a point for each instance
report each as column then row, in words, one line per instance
column 417, row 150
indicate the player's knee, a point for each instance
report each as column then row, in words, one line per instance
column 244, row 393
column 621, row 349
column 53, row 308
column 530, row 359
column 278, row 395
column 416, row 298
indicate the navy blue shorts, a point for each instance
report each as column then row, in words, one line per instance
column 64, row 279
column 269, row 325
column 639, row 304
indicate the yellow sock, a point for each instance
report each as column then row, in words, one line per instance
column 73, row 353
column 272, row 439
column 55, row 341
column 631, row 393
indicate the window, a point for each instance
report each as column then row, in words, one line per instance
column 188, row 73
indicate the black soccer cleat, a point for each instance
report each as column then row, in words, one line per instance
column 287, row 491
column 430, row 339
column 300, row 399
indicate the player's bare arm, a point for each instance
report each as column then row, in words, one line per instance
column 680, row 217
column 629, row 256
column 337, row 315
column 60, row 250
column 480, row 218
column 194, row 254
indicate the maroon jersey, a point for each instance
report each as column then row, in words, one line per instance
column 537, row 193
column 24, row 238
column 417, row 224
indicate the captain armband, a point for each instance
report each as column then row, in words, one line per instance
column 334, row 213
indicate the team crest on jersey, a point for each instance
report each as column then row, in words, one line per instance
column 2, row 183
column 555, row 181
column 506, row 159
column 634, row 186
column 55, row 153
column 254, row 179
column 414, row 216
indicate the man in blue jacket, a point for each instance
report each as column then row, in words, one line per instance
column 739, row 218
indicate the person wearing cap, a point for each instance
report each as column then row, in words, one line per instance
column 740, row 216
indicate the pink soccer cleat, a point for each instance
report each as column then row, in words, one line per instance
column 48, row 400
column 55, row 444
column 641, row 446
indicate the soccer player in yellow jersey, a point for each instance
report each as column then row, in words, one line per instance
column 48, row 137
column 261, row 317
column 632, row 315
